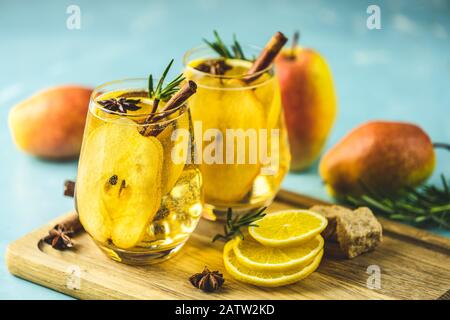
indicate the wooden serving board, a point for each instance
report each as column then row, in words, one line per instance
column 414, row 264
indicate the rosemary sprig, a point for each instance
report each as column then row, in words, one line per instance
column 161, row 92
column 233, row 225
column 426, row 206
column 235, row 52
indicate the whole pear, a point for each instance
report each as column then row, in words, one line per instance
column 50, row 123
column 384, row 156
column 309, row 102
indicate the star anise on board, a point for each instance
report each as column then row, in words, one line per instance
column 122, row 105
column 59, row 238
column 207, row 281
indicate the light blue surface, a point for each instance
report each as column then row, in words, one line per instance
column 400, row 72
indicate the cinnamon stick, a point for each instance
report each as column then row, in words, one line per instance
column 294, row 44
column 266, row 56
column 171, row 106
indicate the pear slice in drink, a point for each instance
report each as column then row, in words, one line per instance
column 121, row 183
column 172, row 141
column 229, row 109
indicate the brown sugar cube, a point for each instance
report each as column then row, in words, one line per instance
column 331, row 213
column 358, row 232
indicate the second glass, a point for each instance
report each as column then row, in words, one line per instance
column 242, row 146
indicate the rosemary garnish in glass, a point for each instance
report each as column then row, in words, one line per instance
column 173, row 94
column 233, row 225
column 219, row 66
column 426, row 206
column 219, row 46
column 161, row 93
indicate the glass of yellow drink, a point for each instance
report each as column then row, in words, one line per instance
column 137, row 198
column 241, row 138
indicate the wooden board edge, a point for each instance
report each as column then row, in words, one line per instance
column 21, row 261
column 419, row 236
column 22, row 258
column 22, row 267
column 445, row 296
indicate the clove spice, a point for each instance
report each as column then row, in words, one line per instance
column 171, row 107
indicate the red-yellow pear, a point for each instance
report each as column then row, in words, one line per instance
column 384, row 156
column 50, row 123
column 309, row 102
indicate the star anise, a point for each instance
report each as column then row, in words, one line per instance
column 207, row 281
column 121, row 105
column 215, row 67
column 59, row 238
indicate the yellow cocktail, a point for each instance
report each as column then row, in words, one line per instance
column 133, row 198
column 242, row 147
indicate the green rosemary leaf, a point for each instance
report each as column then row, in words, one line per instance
column 150, row 86
column 221, row 45
column 235, row 51
column 377, row 204
column 421, row 219
column 162, row 92
column 161, row 80
column 171, row 88
column 426, row 206
column 253, row 225
column 398, row 217
column 443, row 208
column 233, row 224
column 409, row 208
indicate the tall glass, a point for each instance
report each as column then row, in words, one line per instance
column 242, row 146
column 138, row 192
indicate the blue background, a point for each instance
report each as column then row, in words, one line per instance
column 401, row 72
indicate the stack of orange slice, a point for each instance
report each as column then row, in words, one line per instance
column 284, row 248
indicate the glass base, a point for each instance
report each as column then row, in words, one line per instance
column 220, row 211
column 140, row 257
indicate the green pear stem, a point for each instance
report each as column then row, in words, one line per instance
column 442, row 145
column 294, row 44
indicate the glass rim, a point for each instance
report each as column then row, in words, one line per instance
column 96, row 92
column 189, row 52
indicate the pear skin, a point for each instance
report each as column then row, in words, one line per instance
column 50, row 123
column 384, row 156
column 309, row 103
